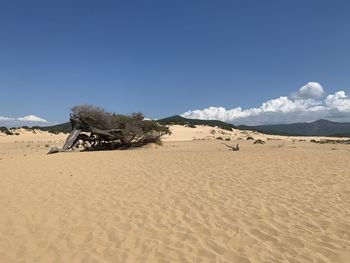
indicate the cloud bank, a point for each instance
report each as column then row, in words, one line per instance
column 29, row 120
column 307, row 104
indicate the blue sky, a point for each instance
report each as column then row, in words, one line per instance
column 170, row 57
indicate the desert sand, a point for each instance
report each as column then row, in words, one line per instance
column 190, row 200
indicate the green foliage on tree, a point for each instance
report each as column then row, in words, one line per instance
column 113, row 131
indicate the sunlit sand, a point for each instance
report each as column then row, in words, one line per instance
column 190, row 200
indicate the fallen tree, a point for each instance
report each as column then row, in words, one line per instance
column 95, row 129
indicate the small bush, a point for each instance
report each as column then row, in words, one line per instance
column 5, row 130
column 189, row 125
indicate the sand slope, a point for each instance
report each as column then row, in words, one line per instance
column 191, row 201
column 182, row 133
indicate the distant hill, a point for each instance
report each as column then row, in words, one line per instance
column 63, row 127
column 316, row 128
column 179, row 120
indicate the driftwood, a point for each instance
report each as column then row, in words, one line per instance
column 233, row 148
column 57, row 150
column 98, row 131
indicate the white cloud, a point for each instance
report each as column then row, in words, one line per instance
column 338, row 101
column 32, row 118
column 29, row 120
column 302, row 106
column 312, row 90
column 2, row 118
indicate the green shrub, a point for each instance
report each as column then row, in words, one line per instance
column 111, row 130
column 5, row 130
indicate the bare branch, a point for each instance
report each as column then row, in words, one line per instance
column 233, row 148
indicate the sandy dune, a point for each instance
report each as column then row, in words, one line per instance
column 186, row 201
column 182, row 133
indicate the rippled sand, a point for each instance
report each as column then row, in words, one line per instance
column 192, row 201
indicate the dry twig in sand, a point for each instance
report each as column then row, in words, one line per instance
column 233, row 148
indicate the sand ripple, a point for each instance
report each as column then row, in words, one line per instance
column 191, row 202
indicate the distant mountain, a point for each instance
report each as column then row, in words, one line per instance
column 316, row 128
column 179, row 120
column 63, row 127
